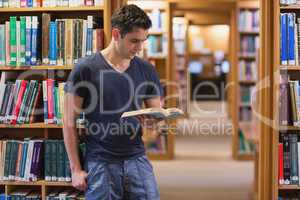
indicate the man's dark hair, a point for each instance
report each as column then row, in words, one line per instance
column 129, row 17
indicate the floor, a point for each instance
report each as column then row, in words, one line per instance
column 203, row 168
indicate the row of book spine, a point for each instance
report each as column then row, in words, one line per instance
column 67, row 40
column 20, row 160
column 247, row 70
column 18, row 41
column 63, row 41
column 249, row 45
column 26, row 194
column 288, row 158
column 53, row 101
column 19, row 101
column 289, row 103
column 289, row 195
column 245, row 146
column 289, row 2
column 245, row 114
column 249, row 20
column 289, row 39
column 158, row 19
column 56, row 194
column 48, row 3
column 156, row 45
column 35, row 159
column 246, row 92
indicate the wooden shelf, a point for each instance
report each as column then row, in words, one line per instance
column 34, row 125
column 289, row 187
column 158, row 156
column 41, row 67
column 247, row 82
column 290, row 7
column 289, row 68
column 39, row 183
column 249, row 32
column 289, row 128
column 247, row 57
column 159, row 57
column 245, row 157
column 50, row 9
column 156, row 32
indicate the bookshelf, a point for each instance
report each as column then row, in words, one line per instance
column 41, row 130
column 247, row 75
column 180, row 40
column 157, row 51
column 276, row 132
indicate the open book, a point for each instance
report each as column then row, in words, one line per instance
column 157, row 113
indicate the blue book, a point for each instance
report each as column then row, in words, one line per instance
column 89, row 36
column 29, row 3
column 52, row 43
column 291, row 39
column 2, row 196
column 283, row 42
column 34, row 33
column 28, row 41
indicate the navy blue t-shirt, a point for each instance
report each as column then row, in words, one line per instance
column 108, row 93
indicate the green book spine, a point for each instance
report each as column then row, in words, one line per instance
column 57, row 106
column 47, row 160
column 31, row 102
column 2, row 45
column 60, row 161
column 53, row 160
column 7, row 159
column 13, row 40
column 22, row 40
column 68, row 176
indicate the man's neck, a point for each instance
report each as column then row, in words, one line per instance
column 114, row 58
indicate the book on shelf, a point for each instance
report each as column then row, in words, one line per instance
column 65, row 194
column 249, row 45
column 245, row 146
column 156, row 45
column 157, row 113
column 245, row 94
column 288, row 2
column 289, row 103
column 248, row 70
column 64, row 41
column 289, row 39
column 158, row 19
column 48, row 3
column 35, row 159
column 288, row 159
column 249, row 20
column 245, row 114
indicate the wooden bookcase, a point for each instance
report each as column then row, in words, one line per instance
column 180, row 56
column 41, row 130
column 269, row 187
column 163, row 65
column 244, row 126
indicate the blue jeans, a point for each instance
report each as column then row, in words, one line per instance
column 124, row 180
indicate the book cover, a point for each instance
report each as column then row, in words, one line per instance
column 157, row 113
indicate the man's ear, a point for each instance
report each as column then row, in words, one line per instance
column 116, row 34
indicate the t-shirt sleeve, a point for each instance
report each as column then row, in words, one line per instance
column 154, row 87
column 75, row 82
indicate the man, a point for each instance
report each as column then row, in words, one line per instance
column 105, row 85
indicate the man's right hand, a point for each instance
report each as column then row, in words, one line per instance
column 79, row 180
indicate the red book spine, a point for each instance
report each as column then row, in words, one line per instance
column 19, row 101
column 50, row 100
column 280, row 168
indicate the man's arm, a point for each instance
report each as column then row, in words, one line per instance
column 72, row 104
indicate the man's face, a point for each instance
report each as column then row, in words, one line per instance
column 132, row 43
